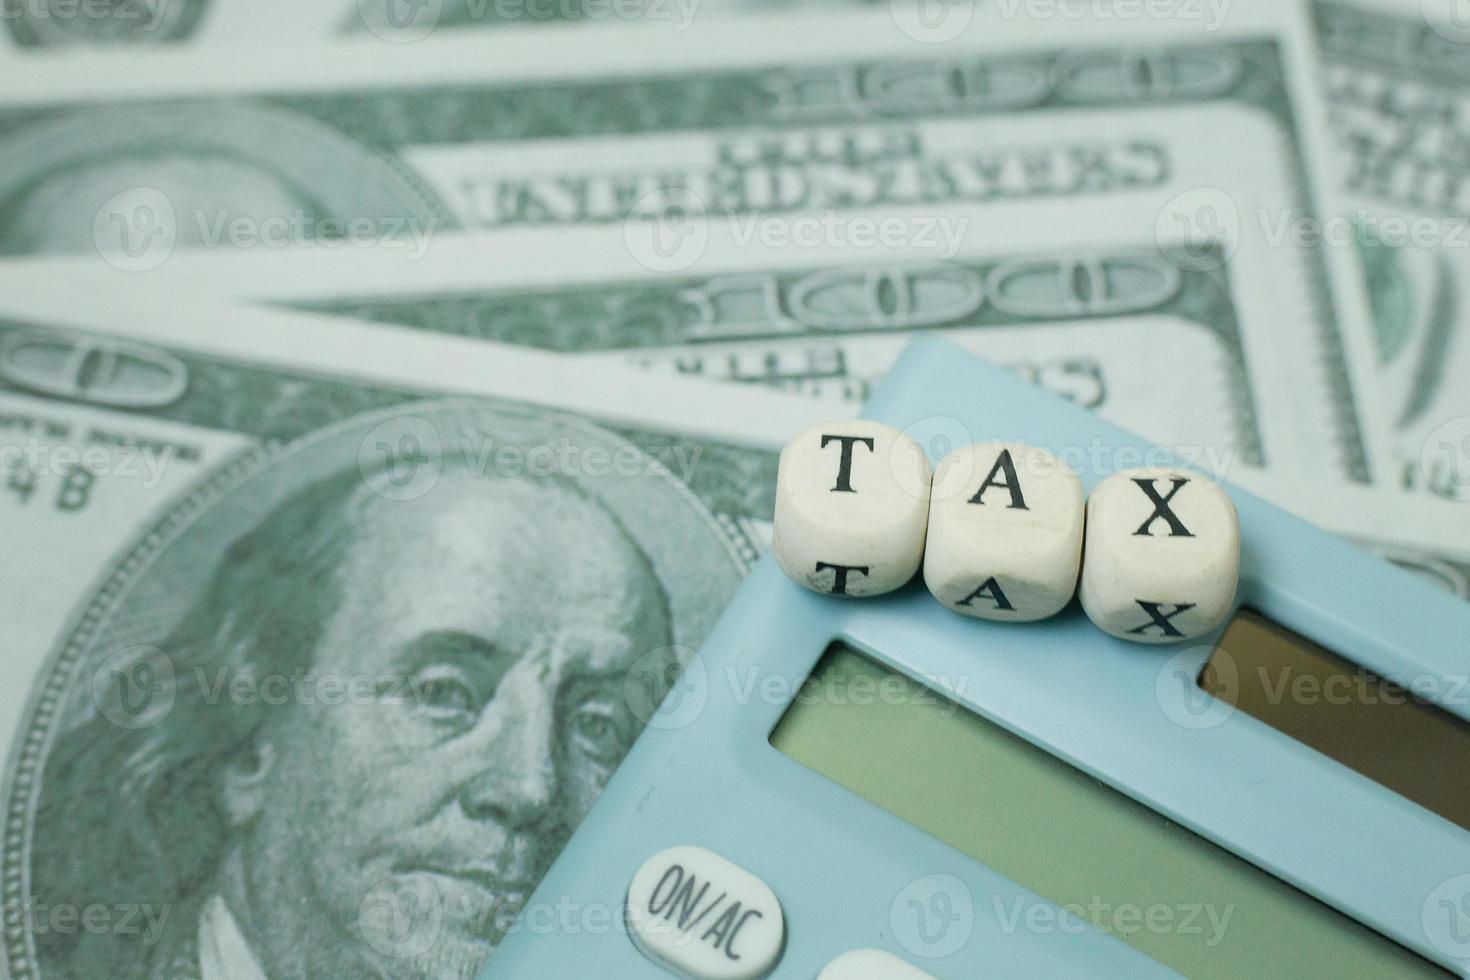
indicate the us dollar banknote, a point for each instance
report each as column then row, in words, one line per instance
column 317, row 628
column 828, row 322
column 991, row 140
column 1399, row 94
column 35, row 26
column 298, row 645
column 39, row 27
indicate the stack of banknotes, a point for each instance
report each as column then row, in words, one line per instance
column 526, row 295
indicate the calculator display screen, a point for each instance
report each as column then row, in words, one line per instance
column 1085, row 846
column 1382, row 730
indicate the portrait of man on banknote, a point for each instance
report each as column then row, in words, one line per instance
column 371, row 730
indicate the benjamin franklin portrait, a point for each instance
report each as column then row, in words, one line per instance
column 382, row 668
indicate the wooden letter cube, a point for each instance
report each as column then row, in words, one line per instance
column 1163, row 555
column 852, row 503
column 1005, row 532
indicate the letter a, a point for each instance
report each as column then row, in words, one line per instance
column 1003, row 464
column 989, row 589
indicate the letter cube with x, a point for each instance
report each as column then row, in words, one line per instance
column 1162, row 556
column 852, row 505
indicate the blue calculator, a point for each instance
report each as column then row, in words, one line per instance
column 865, row 789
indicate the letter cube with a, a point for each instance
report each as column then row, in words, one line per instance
column 852, row 504
column 1005, row 532
column 1162, row 555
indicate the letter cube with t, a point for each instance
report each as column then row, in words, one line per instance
column 852, row 503
column 1005, row 532
column 1162, row 555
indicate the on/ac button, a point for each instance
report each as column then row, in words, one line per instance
column 698, row 914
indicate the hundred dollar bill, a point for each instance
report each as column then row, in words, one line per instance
column 1100, row 309
column 1180, row 137
column 317, row 627
column 1398, row 83
column 312, row 632
column 34, row 27
column 1423, row 535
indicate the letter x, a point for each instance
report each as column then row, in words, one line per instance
column 1157, row 617
column 1161, row 509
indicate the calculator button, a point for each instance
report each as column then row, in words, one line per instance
column 702, row 916
column 871, row 964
